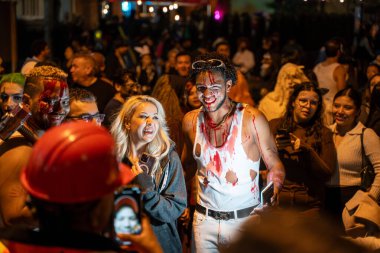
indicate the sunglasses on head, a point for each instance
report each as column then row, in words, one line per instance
column 211, row 63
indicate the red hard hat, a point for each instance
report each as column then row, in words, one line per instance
column 74, row 162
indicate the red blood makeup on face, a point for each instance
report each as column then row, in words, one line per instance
column 211, row 77
column 212, row 81
column 52, row 104
column 211, row 89
column 53, row 90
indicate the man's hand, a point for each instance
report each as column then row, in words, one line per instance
column 278, row 177
column 146, row 242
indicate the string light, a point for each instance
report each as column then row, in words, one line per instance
column 151, row 9
column 165, row 9
column 171, row 7
column 175, row 6
column 139, row 2
column 176, row 17
column 105, row 8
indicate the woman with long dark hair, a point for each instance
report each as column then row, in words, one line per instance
column 306, row 149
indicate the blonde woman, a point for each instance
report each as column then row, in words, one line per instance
column 142, row 140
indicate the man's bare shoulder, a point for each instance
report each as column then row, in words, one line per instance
column 16, row 153
column 252, row 114
column 12, row 161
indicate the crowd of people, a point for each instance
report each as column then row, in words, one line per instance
column 213, row 130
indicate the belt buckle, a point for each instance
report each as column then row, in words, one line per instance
column 222, row 216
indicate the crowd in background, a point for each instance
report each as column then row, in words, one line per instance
column 318, row 109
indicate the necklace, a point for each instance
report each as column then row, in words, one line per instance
column 225, row 117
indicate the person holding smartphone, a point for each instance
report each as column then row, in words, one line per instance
column 224, row 143
column 306, row 149
column 73, row 198
column 142, row 139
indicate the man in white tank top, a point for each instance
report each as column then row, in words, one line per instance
column 224, row 142
column 331, row 75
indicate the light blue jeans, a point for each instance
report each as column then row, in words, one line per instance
column 209, row 234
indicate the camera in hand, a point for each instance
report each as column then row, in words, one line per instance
column 127, row 212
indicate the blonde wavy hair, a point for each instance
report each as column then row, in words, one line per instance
column 158, row 147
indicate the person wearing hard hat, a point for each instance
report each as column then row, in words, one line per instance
column 71, row 178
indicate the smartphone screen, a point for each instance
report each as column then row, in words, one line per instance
column 127, row 212
column 267, row 193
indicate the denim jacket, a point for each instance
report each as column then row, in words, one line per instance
column 164, row 199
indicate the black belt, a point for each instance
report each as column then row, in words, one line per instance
column 219, row 215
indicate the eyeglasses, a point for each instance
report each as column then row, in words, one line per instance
column 99, row 117
column 304, row 102
column 212, row 63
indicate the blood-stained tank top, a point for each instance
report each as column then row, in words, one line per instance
column 227, row 179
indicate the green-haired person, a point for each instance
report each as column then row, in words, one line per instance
column 11, row 90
